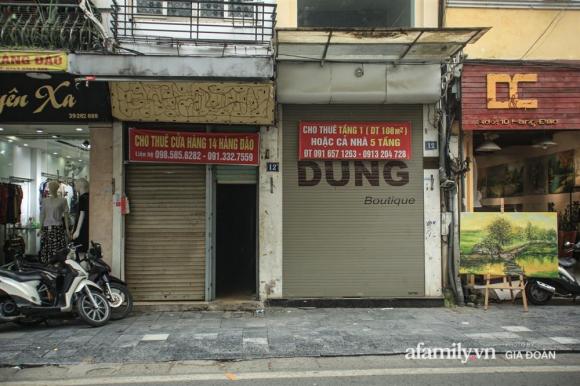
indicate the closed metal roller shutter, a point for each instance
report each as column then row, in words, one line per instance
column 165, row 232
column 234, row 174
column 336, row 245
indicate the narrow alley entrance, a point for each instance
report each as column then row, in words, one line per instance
column 236, row 241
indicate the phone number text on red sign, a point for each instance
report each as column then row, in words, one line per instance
column 354, row 140
column 195, row 148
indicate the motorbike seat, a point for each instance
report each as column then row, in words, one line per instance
column 41, row 267
column 21, row 276
column 59, row 257
column 566, row 262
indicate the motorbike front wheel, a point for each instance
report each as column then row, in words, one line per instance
column 121, row 301
column 537, row 295
column 94, row 316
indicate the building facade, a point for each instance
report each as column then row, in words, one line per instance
column 520, row 104
column 360, row 115
column 189, row 96
column 240, row 161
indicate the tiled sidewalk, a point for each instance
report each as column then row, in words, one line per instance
column 283, row 332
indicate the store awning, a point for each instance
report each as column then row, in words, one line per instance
column 424, row 45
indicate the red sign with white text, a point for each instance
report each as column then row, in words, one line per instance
column 354, row 140
column 193, row 148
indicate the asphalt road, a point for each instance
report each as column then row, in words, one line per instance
column 483, row 380
column 375, row 370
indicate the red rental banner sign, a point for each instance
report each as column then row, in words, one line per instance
column 354, row 140
column 193, row 148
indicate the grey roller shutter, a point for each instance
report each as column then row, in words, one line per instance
column 334, row 244
column 234, row 174
column 165, row 232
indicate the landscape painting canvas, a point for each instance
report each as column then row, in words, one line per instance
column 514, row 180
column 496, row 177
column 577, row 167
column 537, row 180
column 509, row 243
column 561, row 172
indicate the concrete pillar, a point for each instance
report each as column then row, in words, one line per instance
column 101, row 189
column 118, row 252
column 270, row 215
column 432, row 199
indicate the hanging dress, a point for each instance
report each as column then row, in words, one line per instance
column 53, row 236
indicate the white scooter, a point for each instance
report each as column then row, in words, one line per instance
column 52, row 291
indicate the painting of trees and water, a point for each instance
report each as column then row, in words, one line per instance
column 509, row 243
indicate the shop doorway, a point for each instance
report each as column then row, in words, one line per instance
column 235, row 241
column 31, row 157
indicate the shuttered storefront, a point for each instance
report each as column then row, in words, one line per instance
column 165, row 232
column 334, row 244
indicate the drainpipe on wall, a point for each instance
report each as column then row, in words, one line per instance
column 441, row 13
column 448, row 177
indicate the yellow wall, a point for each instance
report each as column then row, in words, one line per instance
column 287, row 14
column 425, row 13
column 515, row 31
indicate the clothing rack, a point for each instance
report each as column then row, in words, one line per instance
column 58, row 177
column 17, row 180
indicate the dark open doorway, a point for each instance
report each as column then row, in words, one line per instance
column 236, row 241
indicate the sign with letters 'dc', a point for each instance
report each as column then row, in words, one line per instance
column 518, row 97
column 354, row 140
column 185, row 147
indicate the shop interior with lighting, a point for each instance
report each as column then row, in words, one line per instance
column 524, row 171
column 30, row 157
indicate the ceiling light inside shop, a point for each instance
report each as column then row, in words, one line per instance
column 12, row 138
column 79, row 129
column 2, row 152
column 55, row 136
column 39, row 131
column 80, row 160
column 25, row 145
column 1, row 129
column 38, row 75
column 488, row 145
column 545, row 142
column 55, row 153
column 68, row 156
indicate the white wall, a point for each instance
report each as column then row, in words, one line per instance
column 270, row 215
column 432, row 202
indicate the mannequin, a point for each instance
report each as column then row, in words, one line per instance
column 53, row 233
column 81, row 230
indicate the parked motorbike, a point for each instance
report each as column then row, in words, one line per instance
column 115, row 290
column 62, row 288
column 540, row 290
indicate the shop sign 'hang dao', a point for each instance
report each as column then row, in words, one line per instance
column 184, row 147
column 510, row 97
column 33, row 61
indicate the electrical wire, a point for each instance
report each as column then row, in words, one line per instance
column 543, row 33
